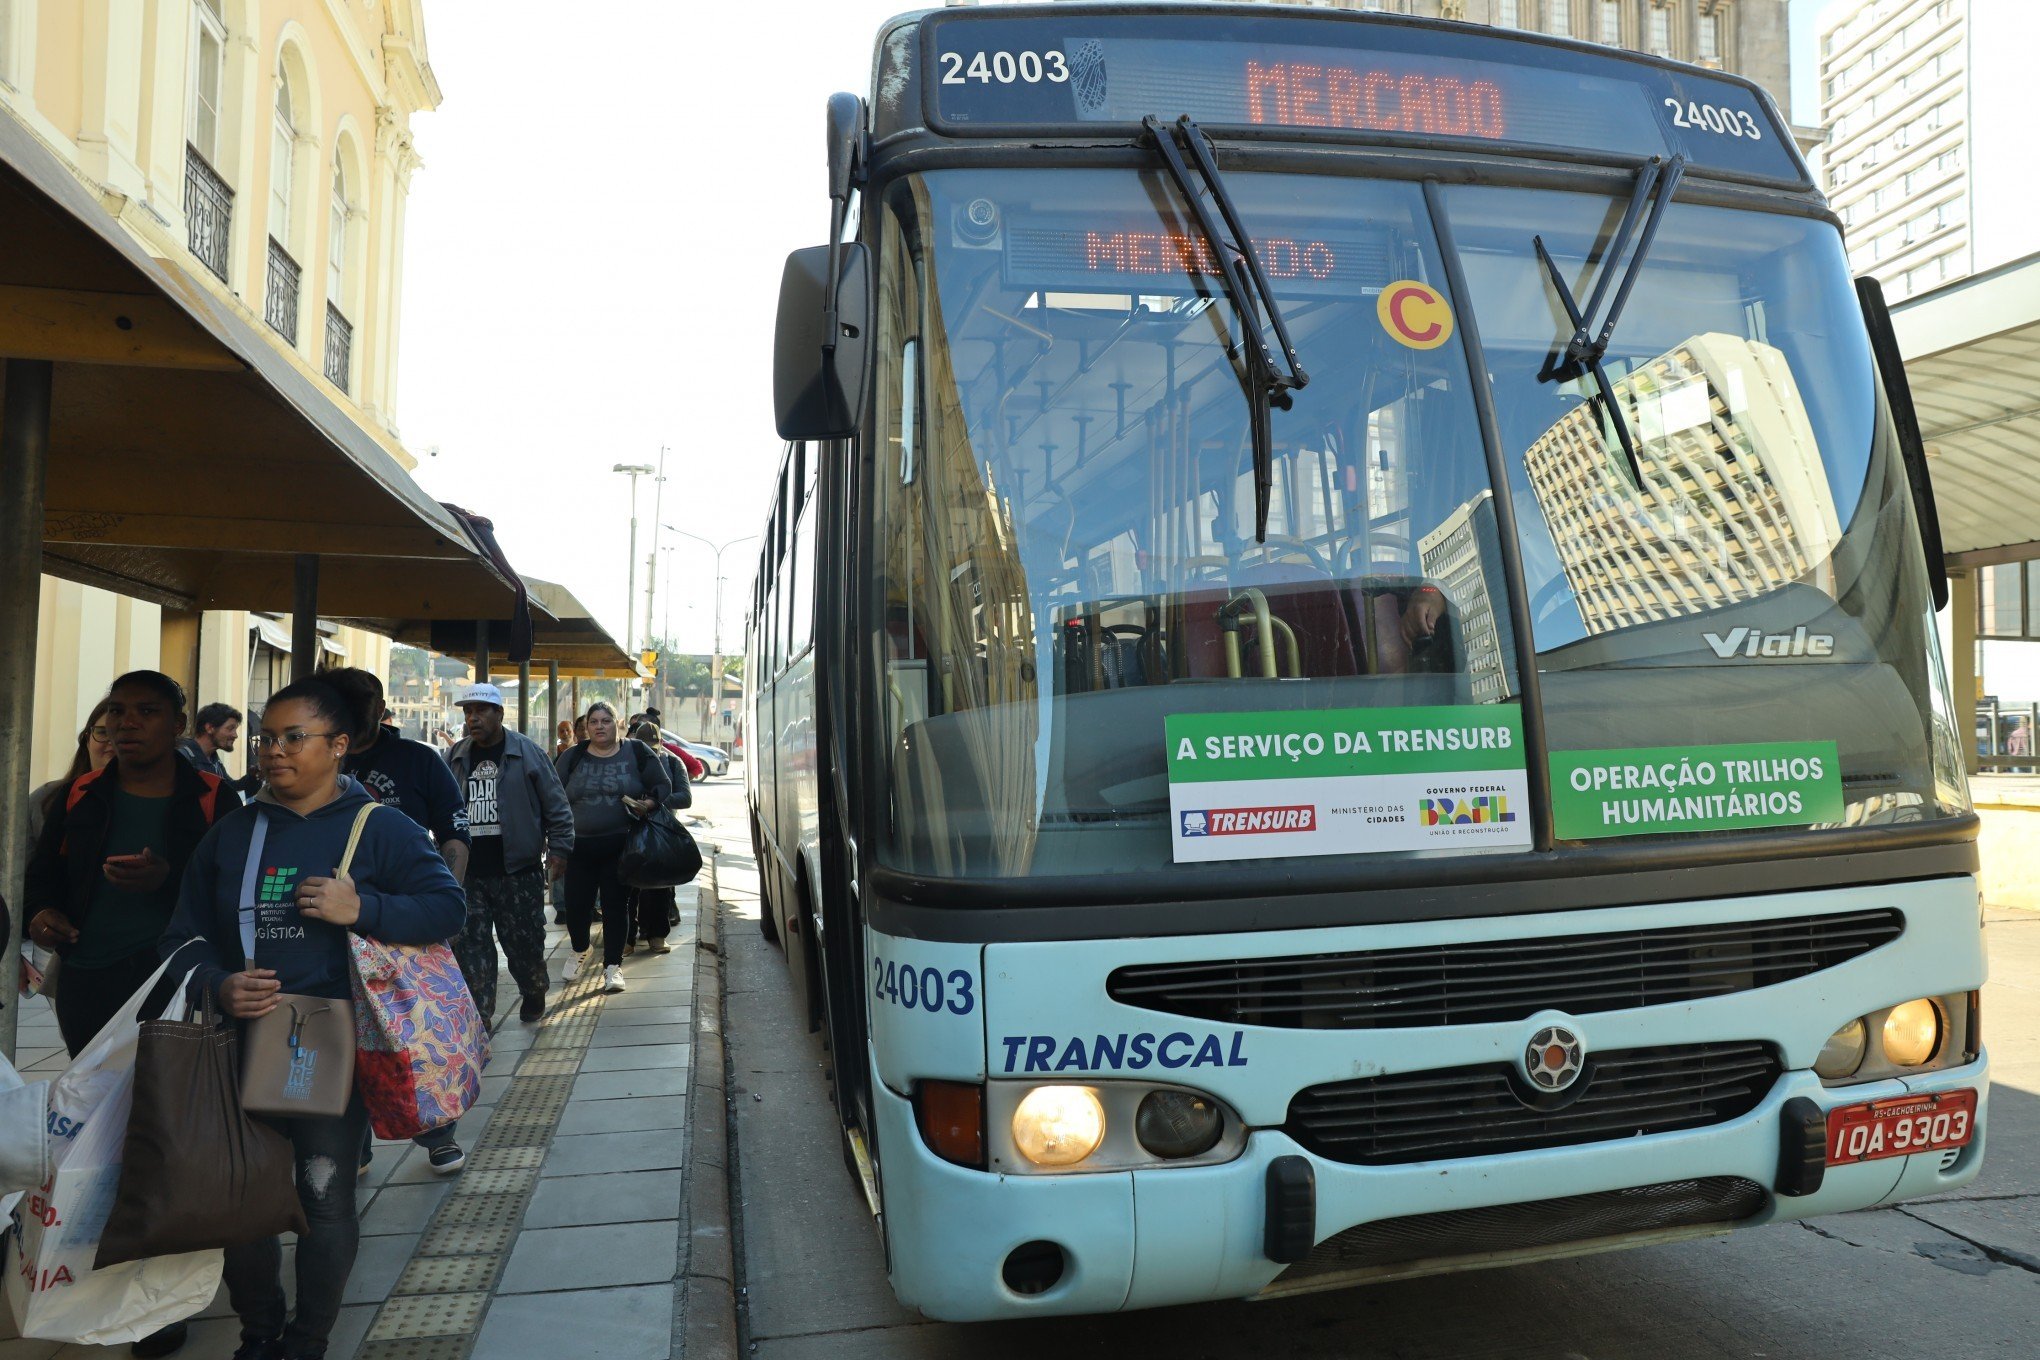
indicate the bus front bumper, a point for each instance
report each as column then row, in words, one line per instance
column 1172, row 1235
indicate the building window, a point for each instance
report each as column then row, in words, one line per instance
column 1660, row 29
column 1509, row 12
column 282, row 157
column 1558, row 17
column 1611, row 22
column 1710, row 39
column 336, row 236
column 208, row 65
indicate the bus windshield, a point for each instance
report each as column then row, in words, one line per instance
column 1066, row 513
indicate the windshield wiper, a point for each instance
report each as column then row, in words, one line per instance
column 1585, row 351
column 1246, row 287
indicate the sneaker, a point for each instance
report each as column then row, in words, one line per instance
column 446, row 1159
column 260, row 1350
column 630, row 949
column 168, row 1341
column 573, row 968
column 659, row 946
column 612, row 978
column 532, row 1011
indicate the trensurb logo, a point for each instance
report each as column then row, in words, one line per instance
column 1479, row 810
column 1248, row 821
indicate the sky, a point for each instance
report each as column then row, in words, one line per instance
column 592, row 260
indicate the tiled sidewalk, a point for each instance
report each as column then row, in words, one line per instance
column 589, row 1259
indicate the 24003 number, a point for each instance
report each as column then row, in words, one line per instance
column 927, row 989
column 1714, row 118
column 1007, row 68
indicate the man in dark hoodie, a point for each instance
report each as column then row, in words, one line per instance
column 398, row 890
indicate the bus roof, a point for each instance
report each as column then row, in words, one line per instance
column 1091, row 72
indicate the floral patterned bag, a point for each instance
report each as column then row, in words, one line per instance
column 421, row 1045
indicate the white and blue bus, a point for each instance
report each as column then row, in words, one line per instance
column 1344, row 680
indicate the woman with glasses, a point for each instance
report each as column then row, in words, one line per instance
column 397, row 890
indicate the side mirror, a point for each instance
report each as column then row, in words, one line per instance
column 818, row 389
column 1898, row 394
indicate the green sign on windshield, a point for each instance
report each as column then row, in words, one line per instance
column 1662, row 789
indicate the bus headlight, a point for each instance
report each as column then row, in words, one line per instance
column 1843, row 1053
column 1912, row 1033
column 1177, row 1124
column 1058, row 1125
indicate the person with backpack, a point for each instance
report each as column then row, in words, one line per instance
column 609, row 783
column 102, row 881
column 283, row 863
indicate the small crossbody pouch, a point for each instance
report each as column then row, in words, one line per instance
column 298, row 1060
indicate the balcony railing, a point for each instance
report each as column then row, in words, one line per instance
column 208, row 211
column 339, row 347
column 279, row 306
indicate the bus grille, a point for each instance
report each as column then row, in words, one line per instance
column 1523, row 1227
column 1475, row 1111
column 1480, row 982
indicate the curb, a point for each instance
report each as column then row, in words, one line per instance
column 709, row 1303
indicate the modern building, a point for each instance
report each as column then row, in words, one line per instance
column 264, row 149
column 1747, row 37
column 1735, row 503
column 1927, row 160
column 1463, row 557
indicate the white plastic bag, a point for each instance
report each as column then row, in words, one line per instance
column 24, row 1150
column 54, row 1292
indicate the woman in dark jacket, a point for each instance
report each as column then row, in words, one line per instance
column 610, row 783
column 302, row 911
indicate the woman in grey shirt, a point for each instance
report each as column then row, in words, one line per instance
column 610, row 783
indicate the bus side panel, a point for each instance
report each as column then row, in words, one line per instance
column 926, row 1002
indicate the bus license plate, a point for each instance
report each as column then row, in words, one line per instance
column 1899, row 1126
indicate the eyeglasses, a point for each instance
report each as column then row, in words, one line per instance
column 102, row 734
column 292, row 741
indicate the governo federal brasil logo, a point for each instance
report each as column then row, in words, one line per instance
column 1485, row 809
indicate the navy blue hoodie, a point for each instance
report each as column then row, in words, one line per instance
column 408, row 896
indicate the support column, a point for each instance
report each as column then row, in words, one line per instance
column 481, row 651
column 524, row 698
column 24, row 474
column 577, row 698
column 304, row 618
column 1962, row 678
column 552, row 703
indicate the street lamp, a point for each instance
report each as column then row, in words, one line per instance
column 715, row 662
column 632, row 471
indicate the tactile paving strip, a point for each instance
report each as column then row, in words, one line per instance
column 436, row 1308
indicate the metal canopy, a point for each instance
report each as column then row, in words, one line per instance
column 563, row 632
column 190, row 462
column 1973, row 359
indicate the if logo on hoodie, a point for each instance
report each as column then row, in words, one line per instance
column 277, row 885
column 275, row 919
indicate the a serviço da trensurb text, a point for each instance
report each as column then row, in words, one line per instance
column 1343, row 666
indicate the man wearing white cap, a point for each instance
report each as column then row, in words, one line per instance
column 520, row 830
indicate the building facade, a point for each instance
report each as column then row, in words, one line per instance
column 1932, row 178
column 1747, row 37
column 1734, row 503
column 264, row 147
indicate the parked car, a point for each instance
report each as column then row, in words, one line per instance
column 694, row 764
column 714, row 758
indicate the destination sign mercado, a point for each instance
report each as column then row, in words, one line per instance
column 1075, row 69
column 1051, row 251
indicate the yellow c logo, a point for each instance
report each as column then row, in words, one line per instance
column 1414, row 314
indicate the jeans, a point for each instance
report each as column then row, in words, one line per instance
column 654, row 912
column 325, row 1151
column 591, row 872
column 511, row 909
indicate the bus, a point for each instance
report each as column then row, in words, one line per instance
column 1344, row 668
